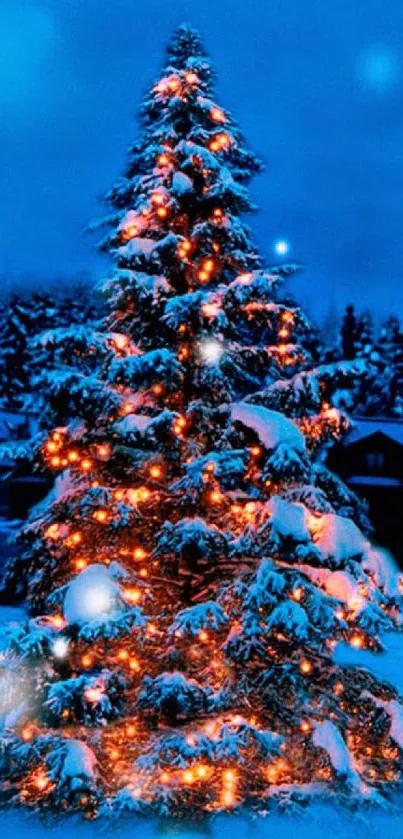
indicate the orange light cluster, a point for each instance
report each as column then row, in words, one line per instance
column 184, row 249
column 217, row 115
column 206, row 270
column 220, row 142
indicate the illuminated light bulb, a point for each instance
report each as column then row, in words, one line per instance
column 298, row 593
column 55, row 461
column 126, row 408
column 155, row 471
column 133, row 595
column 283, row 332
column 144, row 494
column 250, row 507
column 202, row 771
column 76, row 538
column 165, row 777
column 139, row 554
column 114, row 754
column 53, row 531
column 281, row 247
column 27, row 733
column 203, row 276
column 119, row 495
column 130, row 231
column 216, row 497
column 151, row 628
column 162, row 212
column 157, row 199
column 157, row 389
column 305, row 727
column 188, row 776
column 203, row 635
column 134, row 665
column 131, row 730
column 210, row 466
column 282, row 348
column 255, row 451
column 191, row 78
column 41, row 781
column 60, row 648
column 123, row 655
column 120, row 341
column 52, row 446
column 163, row 159
column 217, row 115
column 100, row 515
column 229, row 777
column 208, row 264
column 305, row 666
column 218, row 214
column 143, row 572
column 211, row 351
column 80, row 563
column 86, row 464
column 73, row 456
column 94, row 694
column 227, row 798
column 357, row 641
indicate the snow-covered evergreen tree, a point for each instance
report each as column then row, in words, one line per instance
column 196, row 563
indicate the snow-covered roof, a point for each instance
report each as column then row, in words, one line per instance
column 366, row 427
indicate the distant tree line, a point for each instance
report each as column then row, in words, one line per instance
column 26, row 314
column 354, row 336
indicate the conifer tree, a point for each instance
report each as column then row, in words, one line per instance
column 196, row 563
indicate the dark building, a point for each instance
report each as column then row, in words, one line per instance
column 370, row 461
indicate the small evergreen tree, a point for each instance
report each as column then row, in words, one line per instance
column 349, row 333
column 196, row 564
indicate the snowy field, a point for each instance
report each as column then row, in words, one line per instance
column 318, row 821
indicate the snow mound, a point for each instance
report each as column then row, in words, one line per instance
column 327, row 737
column 337, row 538
column 288, row 520
column 271, row 427
column 343, row 586
column 382, row 566
column 79, row 760
column 92, row 594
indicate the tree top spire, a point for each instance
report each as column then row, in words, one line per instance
column 186, row 42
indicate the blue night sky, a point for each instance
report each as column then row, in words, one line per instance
column 316, row 86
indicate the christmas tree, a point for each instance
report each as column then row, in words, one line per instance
column 196, row 563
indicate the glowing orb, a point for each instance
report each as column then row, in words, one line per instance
column 211, row 351
column 281, row 247
column 60, row 648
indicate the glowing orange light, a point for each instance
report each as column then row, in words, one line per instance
column 86, row 464
column 163, row 159
column 100, row 515
column 305, row 727
column 120, row 341
column 134, row 665
column 162, row 212
column 208, row 264
column 298, row 593
column 305, row 666
column 52, row 532
column 86, row 660
column 203, row 635
column 41, row 781
column 165, row 777
column 155, row 471
column 52, row 446
column 80, row 563
column 201, row 771
column 133, row 595
column 76, row 538
column 217, row 115
column 139, row 554
column 131, row 730
column 157, row 389
column 188, row 776
column 191, row 78
column 357, row 641
column 157, row 198
column 73, row 456
column 216, row 497
column 55, row 461
column 203, row 276
column 27, row 733
column 123, row 655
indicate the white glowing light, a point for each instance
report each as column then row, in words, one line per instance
column 211, row 351
column 60, row 648
column 281, row 247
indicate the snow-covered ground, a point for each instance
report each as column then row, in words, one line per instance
column 318, row 821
